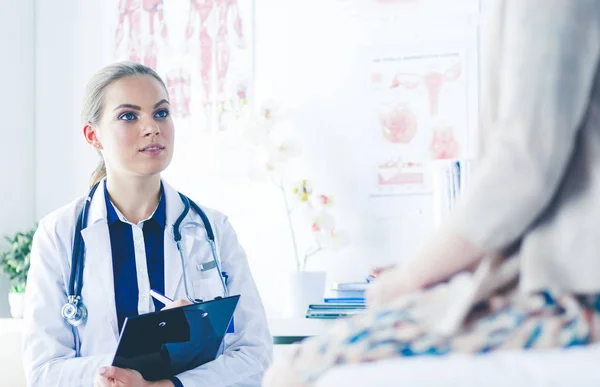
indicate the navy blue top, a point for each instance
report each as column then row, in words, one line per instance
column 123, row 256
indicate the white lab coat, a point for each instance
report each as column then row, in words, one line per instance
column 55, row 354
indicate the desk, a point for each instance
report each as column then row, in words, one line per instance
column 292, row 330
column 10, row 353
column 10, row 325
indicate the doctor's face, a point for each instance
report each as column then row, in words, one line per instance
column 135, row 128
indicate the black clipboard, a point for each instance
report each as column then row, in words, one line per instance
column 162, row 344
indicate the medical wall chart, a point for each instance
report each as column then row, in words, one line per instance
column 201, row 48
column 419, row 112
column 419, row 79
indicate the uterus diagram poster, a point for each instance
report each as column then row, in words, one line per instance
column 419, row 112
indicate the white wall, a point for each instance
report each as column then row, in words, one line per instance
column 16, row 127
column 71, row 43
column 308, row 55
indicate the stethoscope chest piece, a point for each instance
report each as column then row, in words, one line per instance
column 74, row 312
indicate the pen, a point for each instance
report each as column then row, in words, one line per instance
column 160, row 297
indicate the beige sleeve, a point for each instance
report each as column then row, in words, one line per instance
column 548, row 60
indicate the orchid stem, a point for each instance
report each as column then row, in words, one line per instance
column 291, row 226
column 315, row 251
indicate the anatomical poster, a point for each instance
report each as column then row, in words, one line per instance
column 201, row 48
column 419, row 112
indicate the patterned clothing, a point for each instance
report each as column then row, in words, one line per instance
column 542, row 320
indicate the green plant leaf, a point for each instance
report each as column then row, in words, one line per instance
column 15, row 258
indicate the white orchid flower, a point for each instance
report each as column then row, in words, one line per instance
column 324, row 221
column 339, row 239
column 258, row 135
column 258, row 174
column 333, row 239
column 287, row 150
column 269, row 110
column 325, row 201
column 302, row 190
column 242, row 91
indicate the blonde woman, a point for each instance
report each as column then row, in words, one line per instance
column 129, row 246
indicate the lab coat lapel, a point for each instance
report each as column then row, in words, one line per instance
column 98, row 256
column 173, row 264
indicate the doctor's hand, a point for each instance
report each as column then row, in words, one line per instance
column 121, row 377
column 177, row 303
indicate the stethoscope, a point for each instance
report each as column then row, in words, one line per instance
column 74, row 311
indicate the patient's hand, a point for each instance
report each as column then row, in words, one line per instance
column 389, row 286
column 377, row 271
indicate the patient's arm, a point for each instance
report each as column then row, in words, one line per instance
column 447, row 254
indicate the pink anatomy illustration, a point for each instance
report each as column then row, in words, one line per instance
column 223, row 47
column 208, row 66
column 153, row 10
column 399, row 125
column 129, row 16
column 178, row 83
column 199, row 12
column 215, row 48
column 398, row 173
column 443, row 144
column 433, row 82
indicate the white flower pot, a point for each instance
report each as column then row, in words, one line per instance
column 304, row 288
column 17, row 304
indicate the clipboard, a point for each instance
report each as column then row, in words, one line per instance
column 162, row 344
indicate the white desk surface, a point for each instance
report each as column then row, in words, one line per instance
column 298, row 327
column 9, row 325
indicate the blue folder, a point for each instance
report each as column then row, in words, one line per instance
column 163, row 344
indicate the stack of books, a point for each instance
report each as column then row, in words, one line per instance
column 342, row 300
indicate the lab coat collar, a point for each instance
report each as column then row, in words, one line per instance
column 98, row 257
column 173, row 264
column 97, row 211
column 97, row 238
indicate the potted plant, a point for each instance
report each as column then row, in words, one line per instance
column 14, row 260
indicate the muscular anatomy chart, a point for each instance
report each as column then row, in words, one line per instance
column 200, row 47
column 217, row 28
column 140, row 44
column 178, row 84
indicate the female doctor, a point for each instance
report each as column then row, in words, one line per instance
column 129, row 248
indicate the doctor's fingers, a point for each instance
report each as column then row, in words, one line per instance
column 101, row 381
column 126, row 377
column 176, row 304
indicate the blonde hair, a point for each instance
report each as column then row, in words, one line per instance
column 94, row 98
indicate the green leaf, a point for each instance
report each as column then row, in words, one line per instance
column 15, row 258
